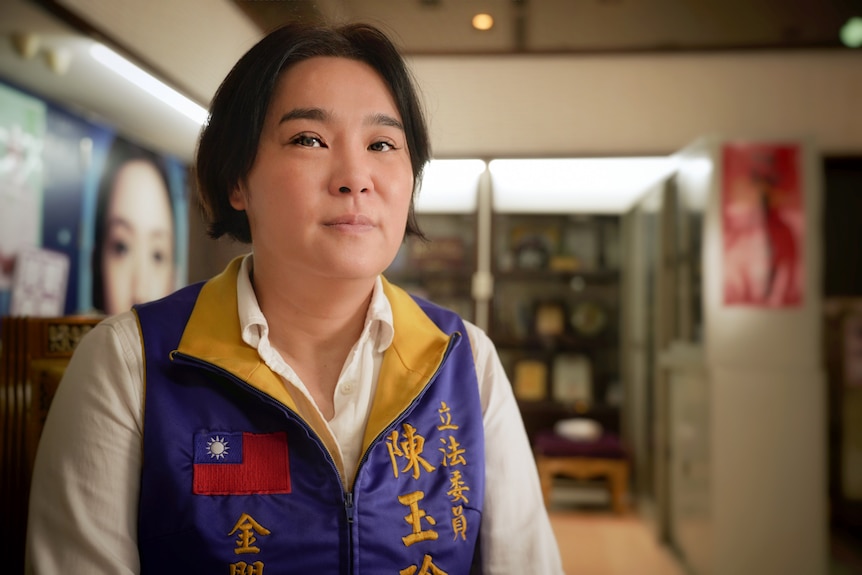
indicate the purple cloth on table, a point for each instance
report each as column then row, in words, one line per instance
column 608, row 446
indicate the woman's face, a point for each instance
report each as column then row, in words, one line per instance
column 330, row 187
column 138, row 251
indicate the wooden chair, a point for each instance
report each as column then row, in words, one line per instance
column 34, row 353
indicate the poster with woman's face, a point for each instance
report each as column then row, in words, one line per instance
column 114, row 211
column 138, row 227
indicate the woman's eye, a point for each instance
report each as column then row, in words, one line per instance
column 381, row 147
column 118, row 248
column 307, row 141
column 158, row 256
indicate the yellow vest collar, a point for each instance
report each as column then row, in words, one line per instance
column 417, row 350
column 214, row 334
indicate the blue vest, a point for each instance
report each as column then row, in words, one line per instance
column 234, row 481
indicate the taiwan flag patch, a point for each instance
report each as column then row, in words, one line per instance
column 240, row 463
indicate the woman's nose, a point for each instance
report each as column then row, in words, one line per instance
column 346, row 190
column 352, row 172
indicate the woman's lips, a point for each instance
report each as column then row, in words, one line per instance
column 351, row 222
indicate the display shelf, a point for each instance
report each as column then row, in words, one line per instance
column 440, row 268
column 555, row 314
column 554, row 311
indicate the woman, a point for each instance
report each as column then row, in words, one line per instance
column 302, row 414
column 133, row 255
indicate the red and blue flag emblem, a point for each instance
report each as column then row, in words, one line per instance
column 231, row 463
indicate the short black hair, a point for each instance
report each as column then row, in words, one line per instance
column 229, row 140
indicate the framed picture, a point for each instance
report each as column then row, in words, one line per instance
column 531, row 380
column 762, row 221
column 572, row 379
column 550, row 319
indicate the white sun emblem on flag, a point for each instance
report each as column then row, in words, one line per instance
column 217, row 447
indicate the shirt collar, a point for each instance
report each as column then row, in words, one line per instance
column 255, row 328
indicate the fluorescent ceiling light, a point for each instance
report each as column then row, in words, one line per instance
column 450, row 186
column 585, row 186
column 147, row 82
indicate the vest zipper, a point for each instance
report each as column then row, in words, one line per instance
column 348, row 506
column 349, row 511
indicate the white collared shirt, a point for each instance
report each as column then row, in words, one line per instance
column 357, row 382
column 86, row 481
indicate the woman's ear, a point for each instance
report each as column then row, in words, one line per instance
column 238, row 197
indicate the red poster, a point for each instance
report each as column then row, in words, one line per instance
column 763, row 225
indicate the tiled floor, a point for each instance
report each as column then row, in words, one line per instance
column 601, row 543
column 595, row 541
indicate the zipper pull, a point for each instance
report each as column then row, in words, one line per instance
column 348, row 506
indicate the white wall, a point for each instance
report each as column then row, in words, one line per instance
column 768, row 409
column 747, row 427
column 638, row 104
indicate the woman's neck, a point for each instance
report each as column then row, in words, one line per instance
column 313, row 324
column 314, row 309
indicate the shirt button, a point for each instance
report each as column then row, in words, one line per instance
column 347, row 388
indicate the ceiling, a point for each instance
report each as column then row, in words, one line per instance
column 191, row 44
column 554, row 26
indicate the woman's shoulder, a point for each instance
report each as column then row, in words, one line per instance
column 114, row 330
column 479, row 340
column 124, row 322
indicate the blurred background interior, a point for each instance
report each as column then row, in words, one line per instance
column 653, row 207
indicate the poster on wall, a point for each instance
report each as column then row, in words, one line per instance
column 22, row 133
column 762, row 222
column 68, row 159
column 110, row 213
column 135, row 227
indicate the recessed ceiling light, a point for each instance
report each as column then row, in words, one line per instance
column 483, row 21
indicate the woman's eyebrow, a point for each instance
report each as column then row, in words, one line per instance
column 317, row 114
column 320, row 115
column 385, row 120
